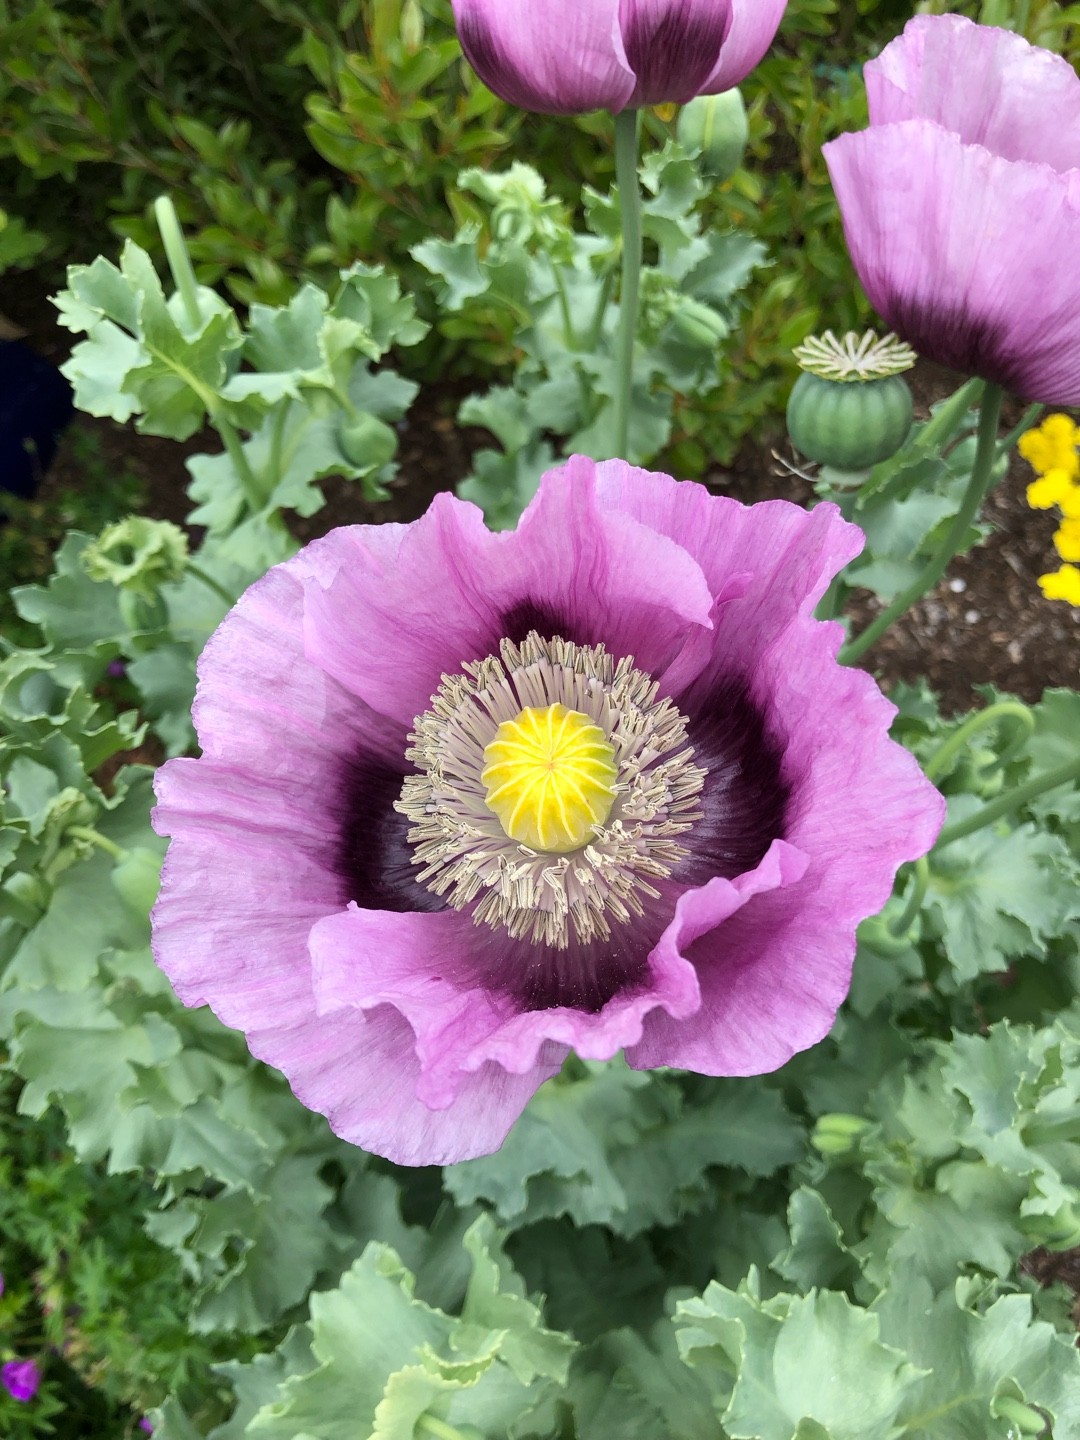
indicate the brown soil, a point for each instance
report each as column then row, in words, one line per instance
column 987, row 622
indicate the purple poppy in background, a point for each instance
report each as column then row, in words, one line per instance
column 961, row 203
column 367, row 877
column 21, row 1379
column 565, row 57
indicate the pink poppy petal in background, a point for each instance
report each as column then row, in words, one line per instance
column 754, row 24
column 988, row 86
column 559, row 57
column 960, row 252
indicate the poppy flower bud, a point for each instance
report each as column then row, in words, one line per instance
column 715, row 126
column 566, row 57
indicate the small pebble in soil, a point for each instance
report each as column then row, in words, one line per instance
column 971, row 616
column 957, row 585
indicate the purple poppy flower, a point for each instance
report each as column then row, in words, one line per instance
column 21, row 1379
column 963, row 196
column 468, row 801
column 564, row 57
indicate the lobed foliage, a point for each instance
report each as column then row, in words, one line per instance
column 823, row 1252
column 838, row 1251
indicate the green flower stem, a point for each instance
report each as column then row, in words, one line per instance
column 198, row 573
column 939, row 762
column 1031, row 416
column 1007, row 803
column 829, row 604
column 596, row 329
column 176, row 252
column 441, row 1429
column 904, row 921
column 947, row 417
column 935, row 567
column 95, row 837
column 626, row 178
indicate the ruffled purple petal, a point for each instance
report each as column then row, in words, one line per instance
column 754, row 24
column 990, row 87
column 558, row 57
column 419, row 965
column 283, row 745
column 961, row 253
column 595, row 575
column 672, row 46
column 397, row 613
column 766, row 563
column 397, row 606
column 774, row 974
column 359, row 1069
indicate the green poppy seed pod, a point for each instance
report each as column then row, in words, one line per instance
column 715, row 126
column 849, row 424
column 136, row 879
column 367, row 442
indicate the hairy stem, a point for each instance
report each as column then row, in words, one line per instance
column 1012, row 800
column 939, row 762
column 626, row 178
column 977, row 486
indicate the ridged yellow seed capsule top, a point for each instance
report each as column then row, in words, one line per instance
column 550, row 775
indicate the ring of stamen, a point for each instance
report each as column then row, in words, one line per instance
column 460, row 845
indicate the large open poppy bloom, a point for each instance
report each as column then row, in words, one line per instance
column 961, row 203
column 565, row 57
column 470, row 800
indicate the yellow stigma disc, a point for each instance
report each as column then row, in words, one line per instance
column 550, row 775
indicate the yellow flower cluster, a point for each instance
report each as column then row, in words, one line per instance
column 1052, row 453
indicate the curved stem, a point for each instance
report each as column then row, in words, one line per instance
column 94, row 837
column 626, row 177
column 947, row 417
column 569, row 337
column 935, row 567
column 939, row 762
column 904, row 921
column 198, row 573
column 1030, row 417
column 1006, row 804
column 441, row 1429
column 596, row 329
column 176, row 252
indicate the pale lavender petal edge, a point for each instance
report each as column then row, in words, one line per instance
column 987, row 85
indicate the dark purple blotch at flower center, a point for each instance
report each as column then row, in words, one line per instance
column 960, row 339
column 742, row 806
